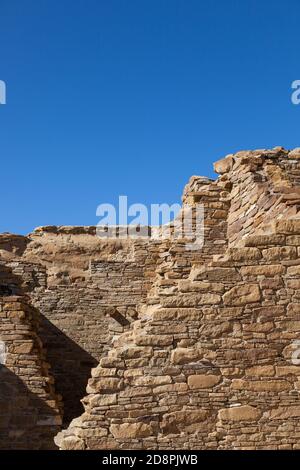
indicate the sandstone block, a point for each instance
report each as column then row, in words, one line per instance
column 203, row 381
column 215, row 274
column 170, row 314
column 131, row 430
column 261, row 371
column 280, row 253
column 153, row 340
column 285, row 412
column 104, row 384
column 263, row 240
column 262, row 270
column 240, row 413
column 152, row 380
column 178, row 421
column 169, row 388
column 288, row 227
column 224, row 165
column 72, row 443
column 103, row 400
column 181, row 356
column 293, row 271
column 242, row 295
column 244, row 254
column 261, row 385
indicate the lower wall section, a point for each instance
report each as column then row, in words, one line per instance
column 210, row 366
column 30, row 412
column 87, row 291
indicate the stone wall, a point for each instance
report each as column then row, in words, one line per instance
column 30, row 411
column 189, row 348
column 208, row 364
column 86, row 289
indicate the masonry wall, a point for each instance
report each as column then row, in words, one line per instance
column 209, row 363
column 87, row 291
column 30, row 411
column 167, row 347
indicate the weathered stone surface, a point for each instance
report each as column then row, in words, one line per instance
column 261, row 371
column 182, row 420
column 285, row 413
column 280, row 253
column 224, row 165
column 131, row 430
column 72, row 443
column 31, row 411
column 287, row 226
column 181, row 356
column 261, row 385
column 242, row 294
column 240, row 413
column 203, row 381
column 295, row 154
column 197, row 347
column 262, row 270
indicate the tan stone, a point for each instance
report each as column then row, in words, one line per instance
column 179, row 421
column 72, row 443
column 177, row 387
column 240, row 413
column 224, row 165
column 287, row 370
column 294, row 154
column 263, row 240
column 242, row 294
column 287, row 226
column 103, row 384
column 244, row 254
column 131, row 430
column 293, row 271
column 261, row 371
column 284, row 412
column 103, row 400
column 203, row 381
column 262, row 270
column 215, row 274
column 185, row 355
column 170, row 314
column 152, row 380
column 261, row 385
column 153, row 340
column 280, row 253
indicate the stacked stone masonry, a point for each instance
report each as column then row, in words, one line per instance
column 189, row 349
column 30, row 411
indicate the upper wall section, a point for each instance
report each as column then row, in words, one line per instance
column 265, row 186
column 210, row 362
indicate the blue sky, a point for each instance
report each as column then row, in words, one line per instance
column 113, row 97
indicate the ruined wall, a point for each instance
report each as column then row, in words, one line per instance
column 208, row 364
column 86, row 289
column 30, row 411
column 195, row 346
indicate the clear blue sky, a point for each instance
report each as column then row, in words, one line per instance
column 109, row 97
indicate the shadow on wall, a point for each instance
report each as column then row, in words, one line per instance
column 70, row 364
column 10, row 284
column 26, row 422
column 71, row 372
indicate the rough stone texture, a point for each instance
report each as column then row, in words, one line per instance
column 199, row 351
column 219, row 324
column 30, row 411
column 87, row 290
